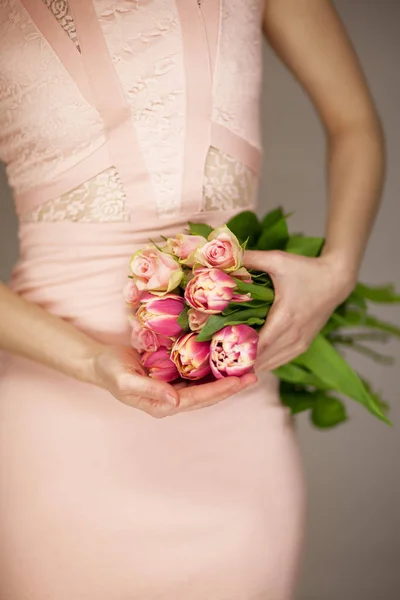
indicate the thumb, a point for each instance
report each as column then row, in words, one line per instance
column 261, row 260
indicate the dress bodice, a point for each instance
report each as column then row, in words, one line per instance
column 131, row 110
column 119, row 122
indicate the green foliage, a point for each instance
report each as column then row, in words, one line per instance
column 327, row 411
column 200, row 229
column 275, row 233
column 183, row 320
column 246, row 226
column 305, row 246
column 325, row 362
column 216, row 322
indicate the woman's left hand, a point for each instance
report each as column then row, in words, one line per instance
column 307, row 291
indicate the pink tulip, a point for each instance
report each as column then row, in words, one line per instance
column 242, row 274
column 190, row 357
column 222, row 251
column 156, row 271
column 160, row 314
column 146, row 340
column 183, row 246
column 131, row 293
column 233, row 351
column 160, row 365
column 210, row 291
column 197, row 319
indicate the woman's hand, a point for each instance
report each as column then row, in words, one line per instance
column 307, row 291
column 118, row 370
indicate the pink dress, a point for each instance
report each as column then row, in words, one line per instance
column 119, row 121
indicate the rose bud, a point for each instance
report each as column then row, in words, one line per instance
column 160, row 314
column 222, row 251
column 131, row 293
column 160, row 365
column 210, row 291
column 156, row 271
column 190, row 357
column 233, row 351
column 145, row 340
column 184, row 246
column 197, row 319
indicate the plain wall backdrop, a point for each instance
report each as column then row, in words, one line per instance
column 353, row 541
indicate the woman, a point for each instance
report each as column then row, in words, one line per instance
column 119, row 122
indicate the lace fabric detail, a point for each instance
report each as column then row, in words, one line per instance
column 60, row 10
column 228, row 184
column 46, row 126
column 99, row 200
column 238, row 74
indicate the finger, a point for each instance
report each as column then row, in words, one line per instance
column 262, row 260
column 208, row 394
column 287, row 341
column 152, row 389
column 280, row 359
column 276, row 325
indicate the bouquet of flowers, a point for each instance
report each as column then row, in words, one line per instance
column 196, row 313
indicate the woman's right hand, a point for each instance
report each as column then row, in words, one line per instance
column 118, row 370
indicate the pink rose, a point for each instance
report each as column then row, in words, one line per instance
column 184, row 246
column 210, row 291
column 233, row 351
column 222, row 251
column 131, row 293
column 160, row 314
column 156, row 271
column 190, row 357
column 146, row 340
column 160, row 365
column 197, row 319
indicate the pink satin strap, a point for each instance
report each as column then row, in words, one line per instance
column 114, row 109
column 90, row 167
column 198, row 103
column 237, row 147
column 211, row 12
column 62, row 45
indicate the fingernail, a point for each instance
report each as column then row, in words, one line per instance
column 171, row 399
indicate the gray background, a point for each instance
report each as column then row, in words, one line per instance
column 353, row 543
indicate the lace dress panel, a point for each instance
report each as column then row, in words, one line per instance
column 99, row 200
column 228, row 184
column 238, row 72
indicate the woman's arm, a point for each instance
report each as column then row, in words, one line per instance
column 28, row 330
column 310, row 38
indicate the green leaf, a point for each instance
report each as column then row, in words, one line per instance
column 272, row 217
column 246, row 225
column 325, row 362
column 296, row 374
column 305, row 246
column 380, row 294
column 200, row 229
column 183, row 320
column 258, row 292
column 250, row 321
column 355, row 319
column 298, row 401
column 217, row 322
column 275, row 237
column 327, row 411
